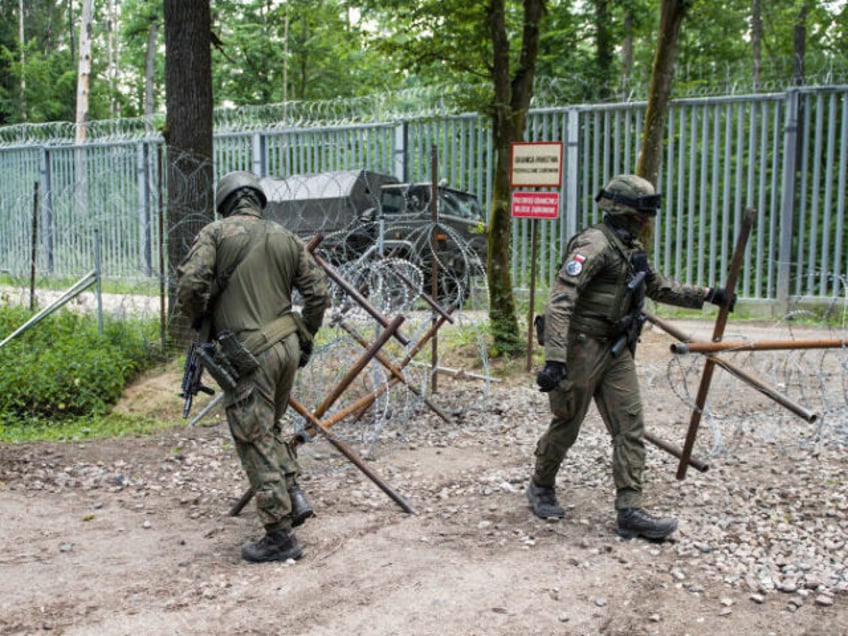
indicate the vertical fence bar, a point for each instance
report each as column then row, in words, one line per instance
column 34, row 259
column 787, row 205
column 721, row 155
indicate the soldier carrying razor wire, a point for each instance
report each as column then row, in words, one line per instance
column 240, row 275
column 591, row 328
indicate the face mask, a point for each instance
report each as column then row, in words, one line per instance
column 633, row 223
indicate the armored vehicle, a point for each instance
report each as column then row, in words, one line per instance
column 366, row 215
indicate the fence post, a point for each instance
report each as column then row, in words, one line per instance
column 400, row 167
column 145, row 217
column 47, row 202
column 260, row 166
column 787, row 200
column 571, row 170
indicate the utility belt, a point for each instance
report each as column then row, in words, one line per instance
column 279, row 328
column 595, row 327
column 228, row 359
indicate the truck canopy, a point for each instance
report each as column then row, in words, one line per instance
column 324, row 202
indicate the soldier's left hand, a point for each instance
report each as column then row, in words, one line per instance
column 549, row 377
column 719, row 296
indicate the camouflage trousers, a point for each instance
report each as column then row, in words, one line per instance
column 254, row 410
column 593, row 373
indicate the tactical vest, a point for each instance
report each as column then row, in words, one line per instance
column 605, row 300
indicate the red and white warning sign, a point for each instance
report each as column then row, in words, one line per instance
column 535, row 205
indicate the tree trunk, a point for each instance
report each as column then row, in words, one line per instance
column 113, row 64
column 627, row 54
column 662, row 74
column 149, row 74
column 22, row 41
column 799, row 41
column 509, row 116
column 83, row 71
column 603, row 48
column 757, row 43
column 188, row 133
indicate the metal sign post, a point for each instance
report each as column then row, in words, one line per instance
column 534, row 165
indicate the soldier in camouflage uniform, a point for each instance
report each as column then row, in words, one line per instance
column 583, row 319
column 240, row 274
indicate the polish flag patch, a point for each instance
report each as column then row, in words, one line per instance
column 575, row 265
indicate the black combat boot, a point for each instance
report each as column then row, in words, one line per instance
column 276, row 545
column 543, row 501
column 300, row 508
column 636, row 522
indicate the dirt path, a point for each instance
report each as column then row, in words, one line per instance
column 132, row 536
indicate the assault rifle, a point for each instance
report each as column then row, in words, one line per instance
column 192, row 383
column 226, row 362
column 630, row 326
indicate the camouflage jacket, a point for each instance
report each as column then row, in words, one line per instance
column 270, row 263
column 590, row 292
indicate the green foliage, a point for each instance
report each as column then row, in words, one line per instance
column 304, row 50
column 50, row 80
column 85, row 427
column 62, row 367
column 293, row 51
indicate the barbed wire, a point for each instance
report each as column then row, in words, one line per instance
column 433, row 101
column 813, row 379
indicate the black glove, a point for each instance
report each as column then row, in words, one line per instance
column 549, row 377
column 719, row 296
column 305, row 352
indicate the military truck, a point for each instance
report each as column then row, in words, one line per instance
column 365, row 215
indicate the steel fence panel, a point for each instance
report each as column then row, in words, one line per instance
column 21, row 170
column 782, row 153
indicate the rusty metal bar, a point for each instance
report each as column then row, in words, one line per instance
column 356, row 369
column 781, row 399
column 669, row 328
column 395, row 370
column 534, row 242
column 728, row 366
column 314, row 242
column 362, row 403
column 674, row 450
column 335, row 394
column 348, row 452
column 461, row 374
column 434, row 267
column 752, row 345
column 430, row 333
column 356, row 295
column 718, row 332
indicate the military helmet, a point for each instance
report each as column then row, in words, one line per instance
column 629, row 194
column 232, row 183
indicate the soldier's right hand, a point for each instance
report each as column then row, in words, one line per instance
column 305, row 353
column 549, row 377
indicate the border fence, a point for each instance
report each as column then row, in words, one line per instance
column 784, row 154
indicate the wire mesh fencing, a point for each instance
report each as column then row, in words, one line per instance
column 797, row 391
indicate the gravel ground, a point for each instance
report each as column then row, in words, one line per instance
column 131, row 535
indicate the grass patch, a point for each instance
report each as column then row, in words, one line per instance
column 77, row 429
column 61, row 378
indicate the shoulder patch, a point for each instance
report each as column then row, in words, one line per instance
column 575, row 265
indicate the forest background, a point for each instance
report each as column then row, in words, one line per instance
column 505, row 56
column 272, row 51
